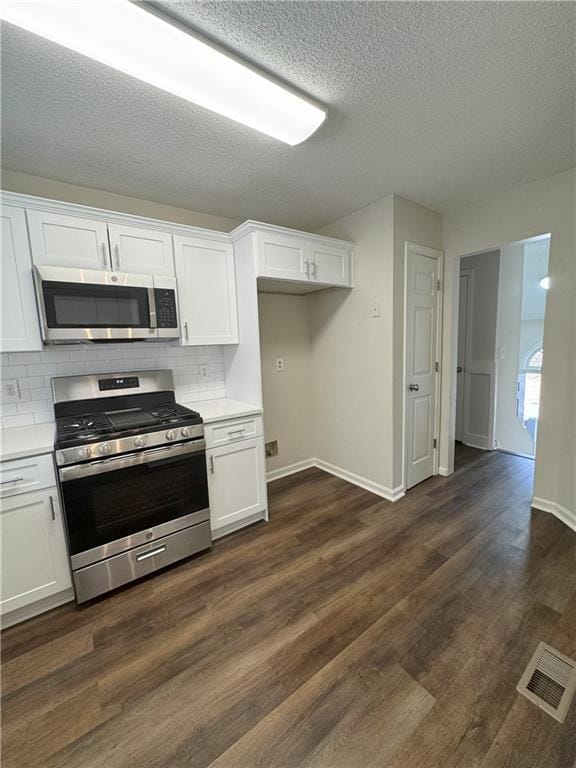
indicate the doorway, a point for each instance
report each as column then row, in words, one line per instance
column 422, row 281
column 502, row 299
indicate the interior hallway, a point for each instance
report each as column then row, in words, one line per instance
column 348, row 632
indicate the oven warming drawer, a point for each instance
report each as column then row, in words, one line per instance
column 115, row 571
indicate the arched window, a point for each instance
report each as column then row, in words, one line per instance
column 533, row 360
column 528, row 399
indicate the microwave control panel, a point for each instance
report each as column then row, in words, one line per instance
column 166, row 316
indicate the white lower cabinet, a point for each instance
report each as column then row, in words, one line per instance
column 34, row 557
column 236, row 484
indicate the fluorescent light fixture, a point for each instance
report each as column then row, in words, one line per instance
column 125, row 36
column 545, row 282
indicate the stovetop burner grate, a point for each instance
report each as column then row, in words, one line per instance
column 131, row 420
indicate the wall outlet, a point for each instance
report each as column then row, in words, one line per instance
column 375, row 309
column 10, row 391
column 204, row 372
column 271, row 448
column 279, row 363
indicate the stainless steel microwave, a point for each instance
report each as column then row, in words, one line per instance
column 89, row 305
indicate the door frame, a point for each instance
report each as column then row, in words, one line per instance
column 469, row 273
column 437, row 254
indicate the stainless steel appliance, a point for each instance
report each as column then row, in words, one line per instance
column 83, row 305
column 132, row 472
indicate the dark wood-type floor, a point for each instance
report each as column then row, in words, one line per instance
column 347, row 633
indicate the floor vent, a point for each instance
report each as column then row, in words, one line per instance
column 549, row 681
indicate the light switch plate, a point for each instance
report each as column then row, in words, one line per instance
column 203, row 371
column 375, row 309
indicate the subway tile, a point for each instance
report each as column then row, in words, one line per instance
column 14, row 371
column 41, row 369
column 23, row 358
column 70, row 369
column 8, row 409
column 26, row 420
column 33, row 406
column 31, row 382
column 97, row 366
column 43, row 417
column 56, row 356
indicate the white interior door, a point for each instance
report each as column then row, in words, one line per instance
column 462, row 345
column 421, row 337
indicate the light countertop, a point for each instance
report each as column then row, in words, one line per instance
column 223, row 408
column 20, row 442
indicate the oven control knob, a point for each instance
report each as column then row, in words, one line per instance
column 171, row 434
column 85, row 453
column 104, row 449
column 185, row 432
column 139, row 442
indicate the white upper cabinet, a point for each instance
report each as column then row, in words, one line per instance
column 19, row 326
column 329, row 264
column 141, row 251
column 297, row 262
column 282, row 256
column 59, row 240
column 206, row 291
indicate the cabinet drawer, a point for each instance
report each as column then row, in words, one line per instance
column 225, row 432
column 30, row 474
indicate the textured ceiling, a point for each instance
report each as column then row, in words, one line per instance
column 443, row 103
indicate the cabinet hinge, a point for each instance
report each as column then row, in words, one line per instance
column 438, row 284
column 437, row 366
column 435, row 442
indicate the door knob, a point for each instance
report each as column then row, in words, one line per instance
column 414, row 387
column 459, row 369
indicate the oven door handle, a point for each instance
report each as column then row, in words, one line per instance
column 130, row 460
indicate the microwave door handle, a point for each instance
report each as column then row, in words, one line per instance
column 152, row 308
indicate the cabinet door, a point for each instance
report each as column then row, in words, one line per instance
column 34, row 557
column 68, row 241
column 236, row 482
column 330, row 264
column 206, row 291
column 19, row 326
column 282, row 256
column 142, row 251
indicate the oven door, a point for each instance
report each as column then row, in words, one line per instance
column 116, row 504
column 92, row 305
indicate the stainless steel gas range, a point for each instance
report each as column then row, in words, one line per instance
column 132, row 472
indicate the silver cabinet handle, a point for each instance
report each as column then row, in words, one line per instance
column 414, row 387
column 105, row 262
column 186, row 332
column 52, row 508
column 14, row 480
column 212, row 464
column 152, row 552
column 237, row 431
column 117, row 256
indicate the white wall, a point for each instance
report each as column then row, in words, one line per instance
column 285, row 333
column 71, row 193
column 545, row 206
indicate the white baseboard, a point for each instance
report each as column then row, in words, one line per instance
column 443, row 471
column 290, row 469
column 390, row 494
column 36, row 608
column 562, row 513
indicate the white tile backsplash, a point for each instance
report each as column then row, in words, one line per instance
column 34, row 370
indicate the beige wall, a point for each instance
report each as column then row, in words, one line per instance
column 285, row 333
column 352, row 352
column 70, row 193
column 517, row 214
